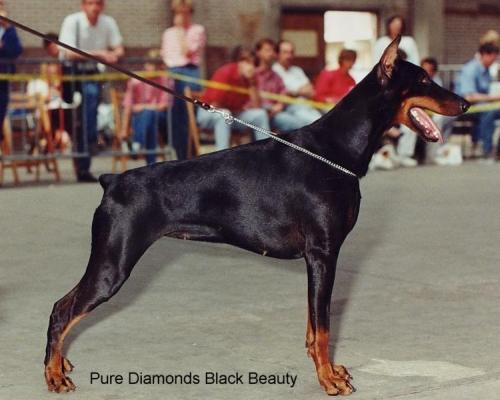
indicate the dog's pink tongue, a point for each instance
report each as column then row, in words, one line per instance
column 427, row 125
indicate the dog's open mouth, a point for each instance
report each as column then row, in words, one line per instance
column 425, row 125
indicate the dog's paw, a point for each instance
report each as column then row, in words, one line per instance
column 333, row 384
column 58, row 382
column 341, row 372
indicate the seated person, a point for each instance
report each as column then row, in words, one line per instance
column 146, row 106
column 430, row 65
column 474, row 84
column 241, row 73
column 269, row 81
column 332, row 85
column 297, row 84
column 48, row 86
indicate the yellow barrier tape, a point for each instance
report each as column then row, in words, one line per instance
column 117, row 76
column 484, row 107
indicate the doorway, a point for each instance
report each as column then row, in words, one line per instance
column 320, row 35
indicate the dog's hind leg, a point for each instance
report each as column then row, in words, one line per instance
column 321, row 265
column 118, row 241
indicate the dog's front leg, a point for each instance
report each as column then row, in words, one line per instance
column 321, row 265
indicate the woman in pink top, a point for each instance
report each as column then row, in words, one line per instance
column 182, row 51
column 146, row 107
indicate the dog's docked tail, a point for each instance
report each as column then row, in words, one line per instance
column 106, row 179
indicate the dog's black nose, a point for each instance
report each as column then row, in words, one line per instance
column 465, row 105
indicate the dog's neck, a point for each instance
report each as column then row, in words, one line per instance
column 350, row 133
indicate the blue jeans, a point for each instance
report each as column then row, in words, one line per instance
column 485, row 128
column 306, row 114
column 87, row 132
column 146, row 124
column 179, row 111
column 293, row 117
column 222, row 131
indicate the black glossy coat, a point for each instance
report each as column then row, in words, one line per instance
column 264, row 197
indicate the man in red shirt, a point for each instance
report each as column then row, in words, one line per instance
column 241, row 73
column 331, row 86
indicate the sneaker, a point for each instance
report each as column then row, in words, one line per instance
column 382, row 161
column 135, row 147
column 449, row 154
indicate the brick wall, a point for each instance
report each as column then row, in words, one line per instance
column 141, row 22
column 465, row 22
column 232, row 22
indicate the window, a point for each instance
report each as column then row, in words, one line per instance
column 352, row 30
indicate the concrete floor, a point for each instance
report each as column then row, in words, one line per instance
column 416, row 302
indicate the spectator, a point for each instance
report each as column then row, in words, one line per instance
column 474, row 85
column 331, row 86
column 396, row 26
column 240, row 72
column 10, row 49
column 269, row 81
column 297, row 84
column 182, row 51
column 493, row 37
column 98, row 34
column 430, row 65
column 146, row 106
column 50, row 87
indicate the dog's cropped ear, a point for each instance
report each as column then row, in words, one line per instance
column 387, row 62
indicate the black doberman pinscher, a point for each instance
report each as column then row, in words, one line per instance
column 264, row 197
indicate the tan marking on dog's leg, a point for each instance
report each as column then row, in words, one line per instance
column 309, row 336
column 58, row 366
column 334, row 383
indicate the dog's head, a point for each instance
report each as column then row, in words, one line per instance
column 414, row 90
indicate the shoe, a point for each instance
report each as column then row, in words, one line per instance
column 86, row 177
column 449, row 154
column 382, row 161
column 134, row 148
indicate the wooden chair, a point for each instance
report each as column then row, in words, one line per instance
column 37, row 136
column 116, row 103
column 193, row 131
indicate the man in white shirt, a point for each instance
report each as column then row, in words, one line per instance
column 296, row 82
column 97, row 34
